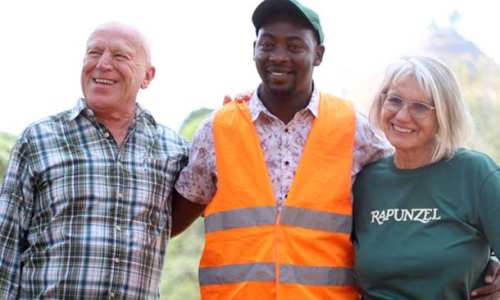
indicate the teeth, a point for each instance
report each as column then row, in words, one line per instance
column 103, row 81
column 401, row 129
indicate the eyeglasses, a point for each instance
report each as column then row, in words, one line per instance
column 416, row 109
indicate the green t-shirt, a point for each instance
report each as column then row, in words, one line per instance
column 426, row 233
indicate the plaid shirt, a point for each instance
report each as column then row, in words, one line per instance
column 84, row 218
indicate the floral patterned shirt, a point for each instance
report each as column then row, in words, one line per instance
column 282, row 145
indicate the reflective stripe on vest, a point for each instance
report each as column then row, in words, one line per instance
column 318, row 220
column 237, row 273
column 316, row 275
column 265, row 272
column 237, row 218
column 266, row 215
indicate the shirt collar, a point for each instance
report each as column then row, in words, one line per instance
column 256, row 106
column 81, row 108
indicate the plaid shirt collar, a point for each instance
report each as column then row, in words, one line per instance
column 81, row 108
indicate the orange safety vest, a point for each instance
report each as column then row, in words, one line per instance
column 304, row 251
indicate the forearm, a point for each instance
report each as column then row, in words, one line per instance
column 184, row 213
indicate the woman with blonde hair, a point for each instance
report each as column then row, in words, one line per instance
column 426, row 218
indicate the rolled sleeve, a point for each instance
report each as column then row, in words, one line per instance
column 197, row 181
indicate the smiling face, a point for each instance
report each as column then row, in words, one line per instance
column 115, row 67
column 406, row 133
column 285, row 53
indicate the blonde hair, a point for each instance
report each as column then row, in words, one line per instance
column 440, row 84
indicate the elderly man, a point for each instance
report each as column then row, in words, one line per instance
column 84, row 208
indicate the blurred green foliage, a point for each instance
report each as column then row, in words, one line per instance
column 7, row 140
column 193, row 121
column 481, row 90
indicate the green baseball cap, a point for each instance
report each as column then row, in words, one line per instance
column 268, row 8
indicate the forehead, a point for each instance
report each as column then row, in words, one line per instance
column 114, row 38
column 409, row 87
column 286, row 26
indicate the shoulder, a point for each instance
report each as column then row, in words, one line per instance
column 203, row 134
column 369, row 142
column 230, row 114
column 40, row 135
column 374, row 174
column 46, row 128
column 474, row 162
column 331, row 99
column 171, row 141
column 377, row 167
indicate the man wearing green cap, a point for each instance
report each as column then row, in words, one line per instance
column 276, row 228
column 273, row 175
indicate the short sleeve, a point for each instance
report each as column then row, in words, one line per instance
column 197, row 181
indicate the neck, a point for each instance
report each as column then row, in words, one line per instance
column 117, row 123
column 283, row 105
column 413, row 159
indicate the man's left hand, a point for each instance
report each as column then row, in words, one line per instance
column 491, row 291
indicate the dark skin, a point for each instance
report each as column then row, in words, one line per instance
column 490, row 291
column 285, row 54
column 184, row 213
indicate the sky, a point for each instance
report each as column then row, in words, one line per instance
column 202, row 50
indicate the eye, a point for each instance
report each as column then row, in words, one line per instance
column 394, row 101
column 266, row 45
column 93, row 53
column 295, row 47
column 120, row 56
column 419, row 108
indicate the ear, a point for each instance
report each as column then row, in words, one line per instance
column 254, row 44
column 149, row 76
column 318, row 55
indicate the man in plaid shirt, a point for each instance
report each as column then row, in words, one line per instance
column 85, row 204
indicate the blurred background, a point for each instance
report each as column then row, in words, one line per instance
column 203, row 50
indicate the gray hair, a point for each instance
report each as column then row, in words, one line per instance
column 133, row 32
column 440, row 84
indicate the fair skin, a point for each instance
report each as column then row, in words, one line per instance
column 413, row 139
column 115, row 67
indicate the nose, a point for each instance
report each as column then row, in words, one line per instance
column 104, row 62
column 403, row 113
column 279, row 55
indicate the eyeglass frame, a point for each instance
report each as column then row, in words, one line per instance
column 408, row 103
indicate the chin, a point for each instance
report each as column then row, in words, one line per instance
column 100, row 101
column 280, row 90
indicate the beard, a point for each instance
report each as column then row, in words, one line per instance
column 280, row 89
